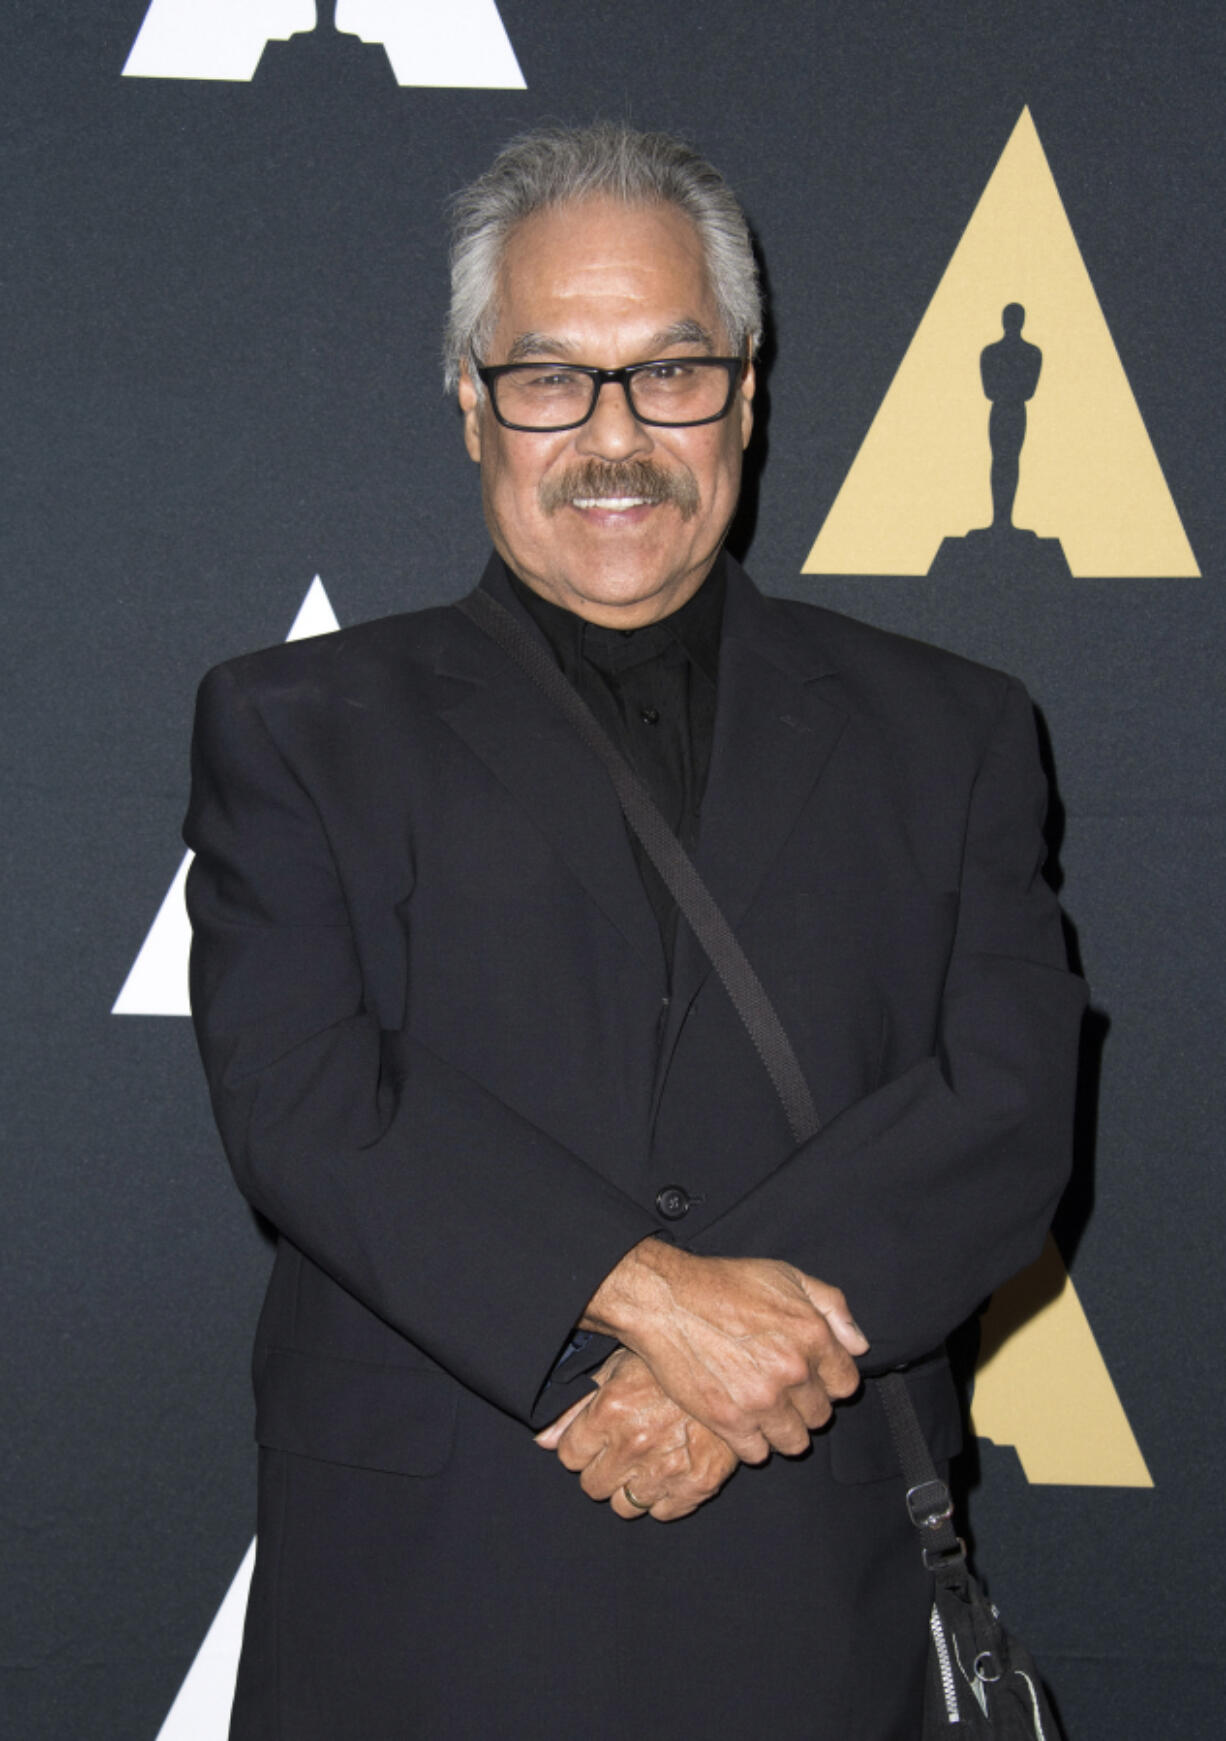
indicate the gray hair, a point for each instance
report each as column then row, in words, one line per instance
column 558, row 165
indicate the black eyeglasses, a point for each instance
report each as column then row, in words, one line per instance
column 675, row 392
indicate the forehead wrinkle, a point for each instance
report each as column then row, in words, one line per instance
column 529, row 345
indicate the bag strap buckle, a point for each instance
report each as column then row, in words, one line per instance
column 944, row 1559
column 929, row 1504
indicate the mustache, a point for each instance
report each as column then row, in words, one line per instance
column 633, row 477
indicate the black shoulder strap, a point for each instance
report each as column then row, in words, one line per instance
column 927, row 1497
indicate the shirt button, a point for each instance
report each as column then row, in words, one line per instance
column 650, row 715
column 672, row 1202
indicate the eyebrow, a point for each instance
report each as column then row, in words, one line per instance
column 682, row 332
column 538, row 344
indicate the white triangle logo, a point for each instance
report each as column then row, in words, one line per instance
column 201, row 1712
column 315, row 614
column 463, row 45
column 220, row 39
column 157, row 982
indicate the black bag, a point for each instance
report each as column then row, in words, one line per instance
column 980, row 1677
column 980, row 1680
column 982, row 1684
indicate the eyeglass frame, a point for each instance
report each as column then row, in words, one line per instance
column 489, row 373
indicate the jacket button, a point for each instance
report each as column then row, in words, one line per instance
column 672, row 1202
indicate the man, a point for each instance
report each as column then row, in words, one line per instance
column 512, row 1135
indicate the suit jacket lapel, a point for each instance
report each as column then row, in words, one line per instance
column 536, row 756
column 774, row 733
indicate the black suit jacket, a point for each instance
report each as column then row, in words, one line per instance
column 430, row 997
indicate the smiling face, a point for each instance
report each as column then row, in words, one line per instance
column 617, row 520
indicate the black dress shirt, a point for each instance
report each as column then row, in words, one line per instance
column 653, row 689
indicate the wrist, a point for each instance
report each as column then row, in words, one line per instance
column 636, row 1292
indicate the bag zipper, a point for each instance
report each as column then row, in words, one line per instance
column 941, row 1646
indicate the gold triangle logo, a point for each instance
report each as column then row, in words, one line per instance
column 1088, row 473
column 1043, row 1387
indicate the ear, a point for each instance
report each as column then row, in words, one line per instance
column 470, row 405
column 748, row 386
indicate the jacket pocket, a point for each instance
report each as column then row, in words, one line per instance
column 861, row 1447
column 393, row 1418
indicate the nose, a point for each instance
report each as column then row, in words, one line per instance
column 612, row 431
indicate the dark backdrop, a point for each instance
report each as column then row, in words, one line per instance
column 221, row 313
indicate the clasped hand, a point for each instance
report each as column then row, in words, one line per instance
column 628, row 1435
column 723, row 1360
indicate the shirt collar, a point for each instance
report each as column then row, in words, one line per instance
column 696, row 626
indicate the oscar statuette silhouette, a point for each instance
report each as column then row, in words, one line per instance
column 326, row 60
column 1009, row 370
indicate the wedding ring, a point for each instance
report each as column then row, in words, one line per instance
column 636, row 1503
